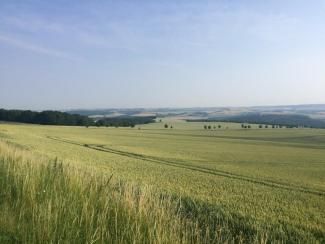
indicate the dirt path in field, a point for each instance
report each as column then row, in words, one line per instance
column 200, row 169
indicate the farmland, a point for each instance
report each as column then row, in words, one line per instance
column 249, row 184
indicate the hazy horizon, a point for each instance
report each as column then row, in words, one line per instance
column 153, row 108
column 143, row 54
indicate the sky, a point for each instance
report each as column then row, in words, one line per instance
column 161, row 53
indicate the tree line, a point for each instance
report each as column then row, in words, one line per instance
column 274, row 120
column 61, row 118
column 125, row 121
column 209, row 127
column 45, row 117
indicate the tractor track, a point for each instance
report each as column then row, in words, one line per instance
column 181, row 165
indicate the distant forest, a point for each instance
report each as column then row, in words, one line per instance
column 288, row 120
column 44, row 117
column 125, row 121
column 61, row 118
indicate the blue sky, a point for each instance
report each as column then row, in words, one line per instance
column 97, row 54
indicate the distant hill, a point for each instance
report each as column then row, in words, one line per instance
column 107, row 112
column 289, row 120
column 316, row 111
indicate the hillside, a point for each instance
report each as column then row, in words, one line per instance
column 288, row 120
column 314, row 111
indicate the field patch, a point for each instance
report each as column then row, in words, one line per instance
column 269, row 180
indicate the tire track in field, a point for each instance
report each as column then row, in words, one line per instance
column 221, row 173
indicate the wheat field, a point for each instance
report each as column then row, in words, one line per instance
column 154, row 185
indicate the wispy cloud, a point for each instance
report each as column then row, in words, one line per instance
column 33, row 23
column 114, row 42
column 99, row 35
column 37, row 49
column 274, row 28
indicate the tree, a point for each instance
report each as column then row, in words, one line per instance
column 171, row 127
column 219, row 126
column 266, row 126
column 249, row 126
column 126, row 121
column 260, row 126
column 242, row 126
column 166, row 126
column 205, row 127
column 209, row 127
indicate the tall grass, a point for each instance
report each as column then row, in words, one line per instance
column 45, row 201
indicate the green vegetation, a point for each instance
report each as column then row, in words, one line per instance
column 46, row 201
column 123, row 121
column 288, row 120
column 168, row 186
column 44, row 117
column 61, row 118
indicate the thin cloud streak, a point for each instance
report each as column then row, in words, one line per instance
column 120, row 37
column 33, row 24
column 37, row 49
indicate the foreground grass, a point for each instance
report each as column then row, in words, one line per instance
column 45, row 201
